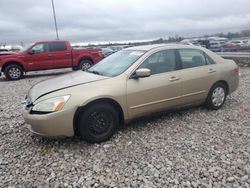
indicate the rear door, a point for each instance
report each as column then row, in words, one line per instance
column 60, row 55
column 198, row 74
column 39, row 58
column 159, row 91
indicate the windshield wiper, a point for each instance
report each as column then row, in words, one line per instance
column 94, row 72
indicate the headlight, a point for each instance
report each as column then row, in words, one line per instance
column 51, row 105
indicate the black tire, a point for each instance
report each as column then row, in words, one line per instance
column 98, row 123
column 85, row 64
column 211, row 102
column 13, row 72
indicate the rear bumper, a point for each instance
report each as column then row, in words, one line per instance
column 58, row 124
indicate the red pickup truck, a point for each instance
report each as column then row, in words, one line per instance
column 48, row 55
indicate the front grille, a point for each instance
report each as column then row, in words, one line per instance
column 39, row 112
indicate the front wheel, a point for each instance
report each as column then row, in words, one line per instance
column 98, row 122
column 217, row 96
column 85, row 64
column 13, row 72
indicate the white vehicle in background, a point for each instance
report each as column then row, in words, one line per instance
column 247, row 43
column 116, row 48
column 216, row 43
column 3, row 50
column 216, row 46
column 107, row 51
column 220, row 39
column 241, row 43
column 190, row 42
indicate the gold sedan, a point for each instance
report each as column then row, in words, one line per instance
column 128, row 84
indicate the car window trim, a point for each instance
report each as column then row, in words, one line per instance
column 46, row 43
column 178, row 59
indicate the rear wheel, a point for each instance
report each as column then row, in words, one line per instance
column 13, row 72
column 85, row 64
column 217, row 96
column 98, row 122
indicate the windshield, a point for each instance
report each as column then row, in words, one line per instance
column 116, row 63
column 26, row 47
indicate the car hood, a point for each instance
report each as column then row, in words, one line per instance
column 62, row 82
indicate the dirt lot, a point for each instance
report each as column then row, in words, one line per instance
column 190, row 148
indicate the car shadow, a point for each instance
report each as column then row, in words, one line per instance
column 154, row 117
column 135, row 124
column 45, row 74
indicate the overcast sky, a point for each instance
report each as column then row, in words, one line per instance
column 116, row 20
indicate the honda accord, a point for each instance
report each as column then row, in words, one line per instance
column 131, row 83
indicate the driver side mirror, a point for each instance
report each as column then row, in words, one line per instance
column 141, row 73
column 31, row 52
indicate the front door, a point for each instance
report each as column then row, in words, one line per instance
column 159, row 91
column 38, row 57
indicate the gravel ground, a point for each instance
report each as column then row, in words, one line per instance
column 189, row 148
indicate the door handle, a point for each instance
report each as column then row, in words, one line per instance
column 211, row 71
column 173, row 78
column 67, row 54
column 49, row 55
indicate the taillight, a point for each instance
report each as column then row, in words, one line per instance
column 237, row 69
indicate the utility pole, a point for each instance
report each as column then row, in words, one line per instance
column 52, row 1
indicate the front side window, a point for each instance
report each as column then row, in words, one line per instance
column 39, row 48
column 160, row 62
column 57, row 46
column 192, row 58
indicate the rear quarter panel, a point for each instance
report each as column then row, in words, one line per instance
column 88, row 53
column 227, row 72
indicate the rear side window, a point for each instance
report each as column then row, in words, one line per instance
column 57, row 46
column 209, row 60
column 192, row 58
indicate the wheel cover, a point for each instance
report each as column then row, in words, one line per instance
column 14, row 72
column 85, row 66
column 100, row 122
column 218, row 96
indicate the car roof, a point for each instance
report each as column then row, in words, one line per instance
column 156, row 46
column 44, row 41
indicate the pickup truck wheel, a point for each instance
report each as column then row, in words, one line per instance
column 85, row 64
column 98, row 122
column 13, row 72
